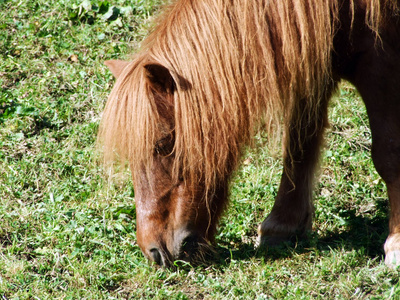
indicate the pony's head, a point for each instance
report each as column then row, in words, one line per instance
column 210, row 74
column 176, row 211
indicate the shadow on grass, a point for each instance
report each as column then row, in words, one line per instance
column 224, row 256
column 367, row 231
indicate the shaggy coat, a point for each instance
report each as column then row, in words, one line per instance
column 212, row 73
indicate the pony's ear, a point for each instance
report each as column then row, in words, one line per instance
column 160, row 78
column 116, row 66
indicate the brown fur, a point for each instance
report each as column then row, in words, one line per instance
column 249, row 61
column 246, row 64
column 214, row 72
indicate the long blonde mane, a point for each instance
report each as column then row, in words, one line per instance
column 245, row 63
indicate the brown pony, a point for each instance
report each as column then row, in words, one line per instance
column 214, row 72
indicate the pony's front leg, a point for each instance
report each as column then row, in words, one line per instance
column 292, row 213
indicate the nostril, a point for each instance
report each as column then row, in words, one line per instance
column 155, row 255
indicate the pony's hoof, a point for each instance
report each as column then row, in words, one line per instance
column 272, row 241
column 273, row 238
column 272, row 232
column 392, row 251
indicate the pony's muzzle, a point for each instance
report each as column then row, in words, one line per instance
column 184, row 247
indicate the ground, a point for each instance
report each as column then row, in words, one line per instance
column 68, row 232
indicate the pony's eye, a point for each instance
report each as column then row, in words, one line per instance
column 164, row 146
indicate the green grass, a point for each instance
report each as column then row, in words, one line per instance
column 66, row 233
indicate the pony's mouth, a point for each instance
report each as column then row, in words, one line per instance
column 191, row 250
column 188, row 248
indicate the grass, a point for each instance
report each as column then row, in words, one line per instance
column 66, row 233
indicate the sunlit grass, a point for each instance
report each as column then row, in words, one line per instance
column 67, row 233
